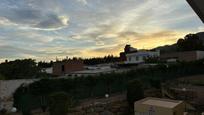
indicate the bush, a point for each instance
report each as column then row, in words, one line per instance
column 155, row 83
column 135, row 92
column 59, row 103
column 3, row 111
column 2, row 77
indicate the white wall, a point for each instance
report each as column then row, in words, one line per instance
column 7, row 88
column 138, row 57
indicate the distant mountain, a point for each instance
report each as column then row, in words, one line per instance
column 167, row 48
column 173, row 47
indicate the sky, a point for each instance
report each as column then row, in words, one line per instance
column 49, row 29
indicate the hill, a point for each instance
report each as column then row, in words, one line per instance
column 173, row 47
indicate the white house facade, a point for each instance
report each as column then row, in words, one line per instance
column 140, row 56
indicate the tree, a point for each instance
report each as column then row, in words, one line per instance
column 108, row 80
column 135, row 92
column 19, row 69
column 25, row 105
column 100, row 60
column 59, row 103
column 90, row 83
column 180, row 44
column 190, row 42
column 43, row 64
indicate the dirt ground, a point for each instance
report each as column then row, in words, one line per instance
column 192, row 78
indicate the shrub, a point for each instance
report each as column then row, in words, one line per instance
column 1, row 77
column 3, row 111
column 135, row 92
column 59, row 103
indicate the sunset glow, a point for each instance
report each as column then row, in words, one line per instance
column 46, row 29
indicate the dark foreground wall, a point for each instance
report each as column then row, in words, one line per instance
column 198, row 7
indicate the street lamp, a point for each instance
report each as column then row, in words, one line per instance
column 107, row 96
column 13, row 109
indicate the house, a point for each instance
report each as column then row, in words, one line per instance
column 186, row 56
column 159, row 106
column 68, row 66
column 94, row 70
column 140, row 56
column 134, row 56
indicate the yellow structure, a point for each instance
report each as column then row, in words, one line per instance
column 158, row 106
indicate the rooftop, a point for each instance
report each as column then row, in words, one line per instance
column 93, row 71
column 159, row 102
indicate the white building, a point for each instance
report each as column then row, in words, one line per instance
column 94, row 70
column 140, row 56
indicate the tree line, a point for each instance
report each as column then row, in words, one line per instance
column 190, row 42
column 19, row 69
column 29, row 68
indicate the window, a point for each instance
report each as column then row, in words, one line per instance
column 136, row 58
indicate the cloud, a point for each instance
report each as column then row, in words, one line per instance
column 201, row 29
column 7, row 51
column 11, row 52
column 114, row 49
column 53, row 22
column 5, row 22
column 29, row 15
column 50, row 28
column 83, row 2
column 152, row 40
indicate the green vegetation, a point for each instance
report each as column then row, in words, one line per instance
column 20, row 69
column 2, row 77
column 59, row 103
column 190, row 42
column 135, row 92
column 99, row 60
column 43, row 64
column 86, row 87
